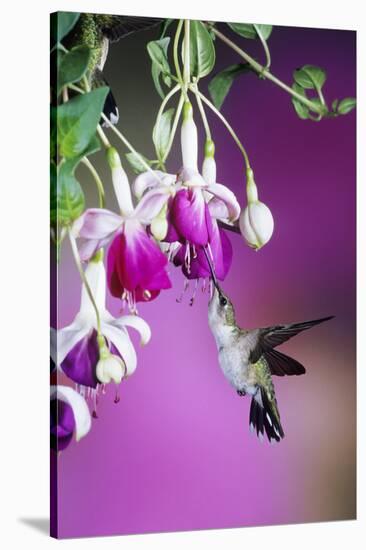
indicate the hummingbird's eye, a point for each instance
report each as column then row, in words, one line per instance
column 223, row 301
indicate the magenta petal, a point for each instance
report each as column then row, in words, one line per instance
column 136, row 262
column 114, row 283
column 190, row 216
column 221, row 251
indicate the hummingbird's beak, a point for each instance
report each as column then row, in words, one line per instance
column 213, row 274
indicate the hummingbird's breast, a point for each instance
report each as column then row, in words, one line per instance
column 234, row 363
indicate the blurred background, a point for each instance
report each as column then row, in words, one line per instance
column 176, row 452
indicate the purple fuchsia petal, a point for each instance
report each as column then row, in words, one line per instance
column 136, row 262
column 81, row 361
column 190, row 216
column 62, row 423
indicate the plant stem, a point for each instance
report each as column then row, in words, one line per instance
column 75, row 252
column 97, row 180
column 174, row 126
column 175, row 50
column 129, row 146
column 103, row 137
column 225, row 122
column 187, row 61
column 264, row 72
column 265, row 46
column 202, row 110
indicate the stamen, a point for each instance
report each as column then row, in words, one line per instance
column 185, row 288
column 194, row 252
column 204, row 285
column 117, row 396
column 187, row 258
column 191, row 302
column 147, row 294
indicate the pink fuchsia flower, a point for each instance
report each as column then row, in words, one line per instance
column 136, row 266
column 69, row 415
column 90, row 354
column 187, row 210
column 218, row 246
column 196, row 205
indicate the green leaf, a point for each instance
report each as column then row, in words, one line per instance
column 310, row 77
column 221, row 83
column 300, row 108
column 247, row 30
column 67, row 199
column 155, row 73
column 73, row 66
column 164, row 27
column 136, row 164
column 77, row 121
column 334, row 105
column 346, row 105
column 158, row 52
column 61, row 24
column 161, row 133
column 202, row 50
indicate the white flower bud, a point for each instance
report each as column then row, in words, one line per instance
column 110, row 368
column 159, row 228
column 256, row 224
column 159, row 225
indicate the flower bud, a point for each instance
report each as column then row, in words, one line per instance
column 256, row 224
column 189, row 138
column 256, row 220
column 209, row 164
column 120, row 182
column 110, row 368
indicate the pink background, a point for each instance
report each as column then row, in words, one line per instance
column 176, row 453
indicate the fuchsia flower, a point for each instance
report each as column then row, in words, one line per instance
column 197, row 204
column 136, row 265
column 85, row 357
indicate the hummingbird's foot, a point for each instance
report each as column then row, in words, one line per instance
column 241, row 393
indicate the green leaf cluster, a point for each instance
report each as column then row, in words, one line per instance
column 76, row 123
column 312, row 78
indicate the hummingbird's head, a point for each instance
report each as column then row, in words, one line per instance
column 220, row 310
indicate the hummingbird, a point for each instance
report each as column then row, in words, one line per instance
column 248, row 359
column 97, row 31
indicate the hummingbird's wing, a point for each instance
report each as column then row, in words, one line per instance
column 281, row 364
column 270, row 337
column 115, row 27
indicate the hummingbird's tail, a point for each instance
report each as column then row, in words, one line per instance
column 264, row 416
